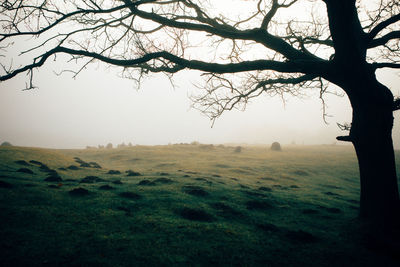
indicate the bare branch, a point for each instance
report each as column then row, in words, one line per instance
column 381, row 26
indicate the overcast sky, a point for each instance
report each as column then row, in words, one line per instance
column 98, row 108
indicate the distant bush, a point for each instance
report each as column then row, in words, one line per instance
column 6, row 144
column 130, row 144
column 207, row 147
column 100, row 146
column 238, row 149
column 195, row 143
column 276, row 146
column 109, row 146
column 121, row 145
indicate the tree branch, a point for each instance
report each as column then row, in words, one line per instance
column 225, row 31
column 384, row 39
column 381, row 26
column 386, row 65
column 59, row 20
column 288, row 67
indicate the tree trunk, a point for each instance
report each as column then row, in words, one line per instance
column 371, row 135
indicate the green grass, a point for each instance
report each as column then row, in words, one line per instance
column 201, row 206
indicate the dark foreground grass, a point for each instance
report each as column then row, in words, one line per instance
column 188, row 206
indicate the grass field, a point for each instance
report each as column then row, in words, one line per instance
column 182, row 205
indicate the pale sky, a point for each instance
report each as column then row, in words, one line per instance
column 99, row 107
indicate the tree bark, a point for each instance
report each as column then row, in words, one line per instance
column 371, row 135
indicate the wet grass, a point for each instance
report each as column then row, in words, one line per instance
column 182, row 206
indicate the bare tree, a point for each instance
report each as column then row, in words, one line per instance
column 269, row 47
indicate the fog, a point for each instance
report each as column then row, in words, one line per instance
column 99, row 107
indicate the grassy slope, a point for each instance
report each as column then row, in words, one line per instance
column 213, row 207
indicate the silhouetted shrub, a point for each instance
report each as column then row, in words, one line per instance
column 238, row 149
column 276, row 146
column 6, row 144
column 121, row 145
column 109, row 146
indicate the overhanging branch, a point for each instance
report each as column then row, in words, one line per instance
column 381, row 26
column 288, row 67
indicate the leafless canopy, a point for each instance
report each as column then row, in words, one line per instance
column 244, row 48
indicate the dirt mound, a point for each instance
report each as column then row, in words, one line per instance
column 91, row 179
column 258, row 205
column 113, row 172
column 195, row 215
column 79, row 192
column 132, row 173
column 225, row 210
column 146, row 182
column 25, row 170
column 4, row 184
column 163, row 180
column 36, row 162
column 130, row 195
column 264, row 188
column 54, row 177
column 301, row 236
column 268, row 227
column 106, row 187
column 94, row 165
column 22, row 162
column 194, row 190
column 73, row 168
